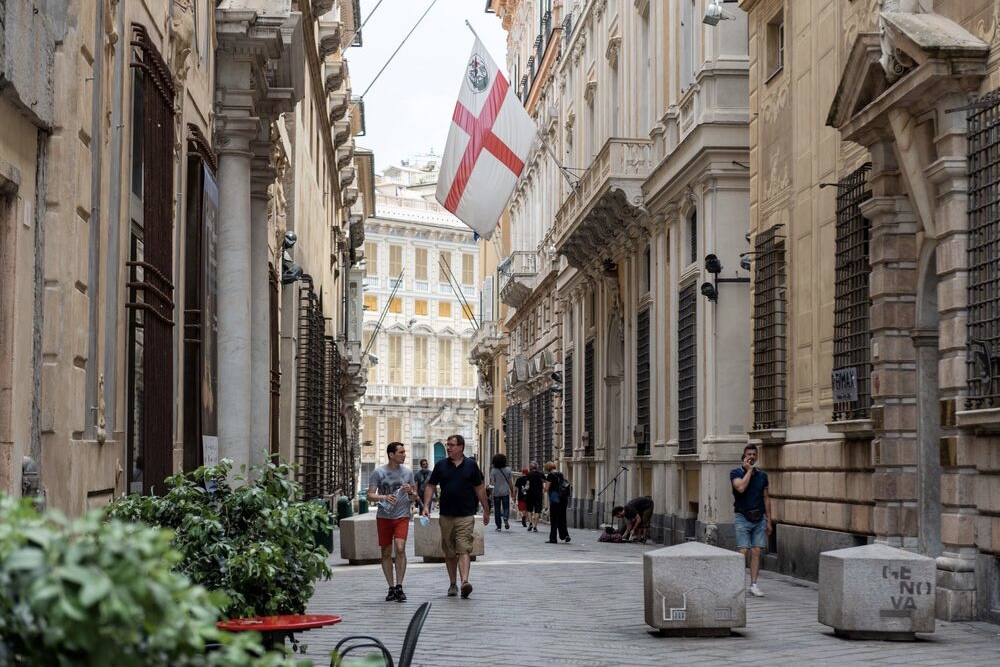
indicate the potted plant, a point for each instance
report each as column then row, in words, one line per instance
column 96, row 592
column 255, row 541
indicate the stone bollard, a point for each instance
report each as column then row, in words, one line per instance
column 427, row 540
column 694, row 589
column 359, row 540
column 876, row 592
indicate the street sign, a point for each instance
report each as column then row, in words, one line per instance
column 845, row 385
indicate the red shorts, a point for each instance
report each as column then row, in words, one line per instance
column 392, row 528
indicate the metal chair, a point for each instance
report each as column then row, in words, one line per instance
column 354, row 642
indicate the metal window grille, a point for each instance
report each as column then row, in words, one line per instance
column 150, row 286
column 852, row 304
column 693, row 237
column 983, row 362
column 642, row 383
column 323, row 451
column 512, row 433
column 769, row 330
column 588, row 397
column 687, row 370
column 568, row 405
column 540, row 446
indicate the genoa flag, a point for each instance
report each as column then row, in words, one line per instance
column 490, row 138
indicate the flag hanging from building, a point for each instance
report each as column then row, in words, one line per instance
column 490, row 137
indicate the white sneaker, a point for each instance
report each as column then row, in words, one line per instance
column 756, row 592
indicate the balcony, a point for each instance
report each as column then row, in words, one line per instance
column 598, row 213
column 517, row 277
column 487, row 342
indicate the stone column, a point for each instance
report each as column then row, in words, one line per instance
column 261, row 177
column 236, row 128
column 892, row 285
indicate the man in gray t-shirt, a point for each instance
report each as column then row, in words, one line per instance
column 391, row 486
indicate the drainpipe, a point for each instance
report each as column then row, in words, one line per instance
column 111, row 295
column 41, row 186
column 91, row 400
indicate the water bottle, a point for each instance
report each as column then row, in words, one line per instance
column 424, row 521
column 384, row 504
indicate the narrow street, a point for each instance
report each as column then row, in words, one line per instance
column 581, row 604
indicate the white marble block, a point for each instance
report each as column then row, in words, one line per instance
column 876, row 591
column 359, row 539
column 427, row 540
column 694, row 588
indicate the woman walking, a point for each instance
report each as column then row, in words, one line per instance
column 557, row 504
column 502, row 488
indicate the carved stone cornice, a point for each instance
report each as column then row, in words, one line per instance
column 611, row 53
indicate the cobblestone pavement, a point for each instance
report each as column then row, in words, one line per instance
column 581, row 604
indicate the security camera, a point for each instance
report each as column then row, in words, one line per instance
column 745, row 261
column 712, row 264
column 290, row 239
column 291, row 273
column 708, row 290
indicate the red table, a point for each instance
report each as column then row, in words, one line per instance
column 275, row 628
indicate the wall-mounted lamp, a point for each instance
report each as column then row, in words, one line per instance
column 714, row 266
column 714, row 13
column 828, row 185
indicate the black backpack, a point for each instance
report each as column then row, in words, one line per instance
column 565, row 488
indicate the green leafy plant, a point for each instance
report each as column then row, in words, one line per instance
column 254, row 541
column 96, row 592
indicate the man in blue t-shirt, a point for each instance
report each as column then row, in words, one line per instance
column 461, row 483
column 752, row 508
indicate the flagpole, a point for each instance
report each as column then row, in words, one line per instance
column 472, row 29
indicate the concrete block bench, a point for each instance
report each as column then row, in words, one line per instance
column 359, row 539
column 427, row 540
column 876, row 592
column 694, row 589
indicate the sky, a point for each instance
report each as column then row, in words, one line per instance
column 408, row 109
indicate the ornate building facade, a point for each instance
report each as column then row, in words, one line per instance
column 625, row 333
column 421, row 300
column 875, row 270
column 162, row 151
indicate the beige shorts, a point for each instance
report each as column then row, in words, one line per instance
column 456, row 534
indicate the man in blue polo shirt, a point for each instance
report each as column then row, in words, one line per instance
column 752, row 508
column 461, row 483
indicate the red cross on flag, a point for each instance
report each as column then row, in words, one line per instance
column 489, row 140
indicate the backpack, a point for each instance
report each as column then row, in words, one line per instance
column 565, row 489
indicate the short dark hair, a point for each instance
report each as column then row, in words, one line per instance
column 617, row 510
column 748, row 448
column 423, row 461
column 500, row 460
column 458, row 439
column 391, row 448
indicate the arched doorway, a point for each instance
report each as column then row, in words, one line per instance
column 439, row 452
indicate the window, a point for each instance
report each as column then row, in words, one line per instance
column 513, row 434
column 693, row 237
column 769, row 406
column 371, row 302
column 775, row 44
column 395, row 360
column 588, row 397
column 468, row 269
column 420, row 364
column 468, row 377
column 646, row 271
column 395, row 261
column 395, row 429
column 444, row 266
column 369, row 429
column 367, row 345
column 642, row 383
column 371, row 258
column 395, row 305
column 568, row 405
column 687, row 371
column 983, row 326
column 420, row 307
column 419, row 264
column 852, row 301
column 468, row 313
column 444, row 362
column 444, row 309
column 540, row 434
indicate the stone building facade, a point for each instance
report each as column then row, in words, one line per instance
column 421, row 300
column 876, row 333
column 614, row 339
column 161, row 152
